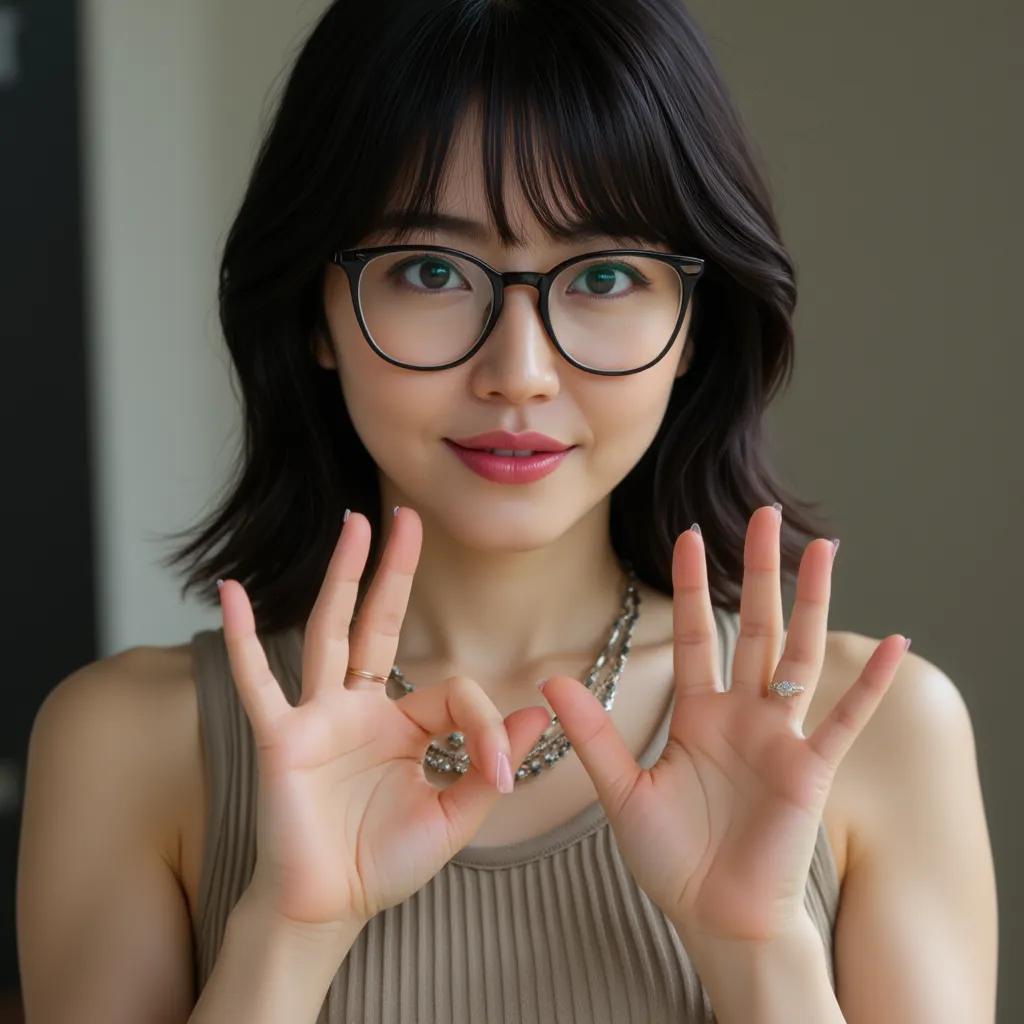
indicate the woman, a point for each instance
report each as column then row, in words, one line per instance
column 506, row 299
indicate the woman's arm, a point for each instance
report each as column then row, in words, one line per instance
column 267, row 974
column 916, row 939
column 103, row 924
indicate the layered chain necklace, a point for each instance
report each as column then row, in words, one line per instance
column 602, row 680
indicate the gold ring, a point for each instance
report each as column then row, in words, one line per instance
column 368, row 675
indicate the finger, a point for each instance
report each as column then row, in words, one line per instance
column 694, row 631
column 460, row 704
column 258, row 690
column 374, row 640
column 836, row 734
column 325, row 648
column 761, row 620
column 589, row 728
column 471, row 799
column 804, row 654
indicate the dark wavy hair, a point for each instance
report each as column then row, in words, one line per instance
column 608, row 112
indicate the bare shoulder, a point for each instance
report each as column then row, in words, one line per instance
column 146, row 677
column 137, row 711
column 920, row 700
column 921, row 712
column 919, row 883
column 112, row 768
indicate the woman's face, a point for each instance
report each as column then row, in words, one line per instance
column 516, row 382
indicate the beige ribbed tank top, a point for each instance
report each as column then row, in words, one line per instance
column 552, row 930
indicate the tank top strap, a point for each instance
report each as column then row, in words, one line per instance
column 229, row 754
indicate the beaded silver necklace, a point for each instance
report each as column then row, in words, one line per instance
column 553, row 744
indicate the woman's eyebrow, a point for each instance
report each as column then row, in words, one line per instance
column 411, row 220
column 466, row 227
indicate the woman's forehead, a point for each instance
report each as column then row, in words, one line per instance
column 462, row 210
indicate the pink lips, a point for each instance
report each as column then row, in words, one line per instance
column 530, row 441
column 510, row 469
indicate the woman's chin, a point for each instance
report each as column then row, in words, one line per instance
column 504, row 530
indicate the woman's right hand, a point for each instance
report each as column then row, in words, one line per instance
column 348, row 824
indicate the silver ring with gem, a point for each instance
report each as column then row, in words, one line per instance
column 784, row 688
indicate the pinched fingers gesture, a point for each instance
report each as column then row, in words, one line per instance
column 348, row 823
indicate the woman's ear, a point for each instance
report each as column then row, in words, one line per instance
column 686, row 358
column 688, row 343
column 323, row 350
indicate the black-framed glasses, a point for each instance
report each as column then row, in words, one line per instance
column 428, row 307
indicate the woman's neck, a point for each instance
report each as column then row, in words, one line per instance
column 499, row 616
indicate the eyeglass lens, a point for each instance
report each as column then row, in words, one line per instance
column 610, row 313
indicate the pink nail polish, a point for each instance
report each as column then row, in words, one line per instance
column 505, row 781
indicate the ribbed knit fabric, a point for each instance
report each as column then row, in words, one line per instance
column 552, row 930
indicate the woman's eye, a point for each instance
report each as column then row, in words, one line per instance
column 606, row 279
column 430, row 274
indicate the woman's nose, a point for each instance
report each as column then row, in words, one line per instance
column 517, row 361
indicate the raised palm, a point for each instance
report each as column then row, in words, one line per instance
column 720, row 832
column 348, row 824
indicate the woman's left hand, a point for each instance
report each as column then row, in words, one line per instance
column 720, row 833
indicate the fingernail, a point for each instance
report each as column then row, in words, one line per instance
column 778, row 508
column 348, row 512
column 835, row 547
column 540, row 684
column 696, row 529
column 395, row 512
column 505, row 781
column 906, row 645
column 220, row 584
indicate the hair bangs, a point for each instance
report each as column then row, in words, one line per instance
column 559, row 116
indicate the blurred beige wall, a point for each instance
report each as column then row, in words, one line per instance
column 174, row 98
column 892, row 137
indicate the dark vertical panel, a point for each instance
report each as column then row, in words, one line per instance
column 47, row 612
